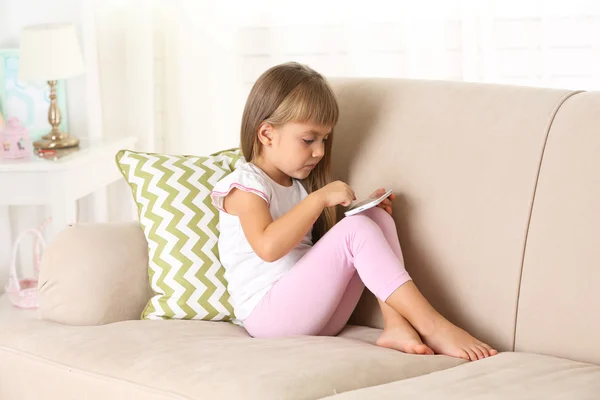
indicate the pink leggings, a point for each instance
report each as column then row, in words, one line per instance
column 318, row 295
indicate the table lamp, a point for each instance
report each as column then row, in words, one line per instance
column 50, row 52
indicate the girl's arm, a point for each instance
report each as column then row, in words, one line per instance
column 272, row 240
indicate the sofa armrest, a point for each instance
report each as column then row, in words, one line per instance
column 94, row 274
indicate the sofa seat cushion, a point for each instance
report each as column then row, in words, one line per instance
column 512, row 376
column 192, row 360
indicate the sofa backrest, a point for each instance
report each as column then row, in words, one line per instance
column 463, row 160
column 559, row 303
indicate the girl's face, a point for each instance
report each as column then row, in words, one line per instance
column 294, row 148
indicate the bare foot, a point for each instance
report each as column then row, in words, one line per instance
column 403, row 339
column 446, row 338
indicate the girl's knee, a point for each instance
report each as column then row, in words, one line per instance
column 358, row 223
column 377, row 212
column 380, row 216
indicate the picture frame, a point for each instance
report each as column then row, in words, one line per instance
column 28, row 101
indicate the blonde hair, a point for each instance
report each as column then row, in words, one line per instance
column 293, row 92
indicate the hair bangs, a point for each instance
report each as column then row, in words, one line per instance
column 311, row 101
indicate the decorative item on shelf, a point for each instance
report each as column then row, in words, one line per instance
column 55, row 154
column 51, row 52
column 23, row 292
column 14, row 140
column 28, row 101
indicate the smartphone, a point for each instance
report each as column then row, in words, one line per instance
column 366, row 204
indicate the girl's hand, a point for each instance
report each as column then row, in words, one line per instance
column 387, row 203
column 336, row 193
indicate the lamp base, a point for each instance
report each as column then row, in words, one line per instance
column 64, row 142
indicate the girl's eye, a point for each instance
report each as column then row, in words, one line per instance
column 310, row 141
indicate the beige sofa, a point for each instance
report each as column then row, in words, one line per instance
column 498, row 212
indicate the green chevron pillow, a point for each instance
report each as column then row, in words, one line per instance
column 180, row 224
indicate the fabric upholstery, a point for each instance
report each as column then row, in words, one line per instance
column 514, row 376
column 559, row 305
column 95, row 274
column 463, row 161
column 183, row 359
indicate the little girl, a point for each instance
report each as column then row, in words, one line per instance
column 291, row 269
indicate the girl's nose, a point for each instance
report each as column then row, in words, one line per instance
column 319, row 151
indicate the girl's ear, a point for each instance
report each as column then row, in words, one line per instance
column 265, row 133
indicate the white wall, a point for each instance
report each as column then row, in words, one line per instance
column 14, row 15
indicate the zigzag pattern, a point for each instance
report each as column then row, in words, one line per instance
column 181, row 226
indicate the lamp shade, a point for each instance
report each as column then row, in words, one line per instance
column 49, row 52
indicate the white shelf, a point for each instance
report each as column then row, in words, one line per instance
column 87, row 149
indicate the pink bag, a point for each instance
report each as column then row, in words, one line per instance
column 23, row 292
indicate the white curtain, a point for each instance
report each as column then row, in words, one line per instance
column 212, row 52
column 176, row 73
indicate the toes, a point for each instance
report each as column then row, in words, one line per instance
column 472, row 355
column 485, row 351
column 489, row 348
column 464, row 355
column 421, row 349
column 477, row 350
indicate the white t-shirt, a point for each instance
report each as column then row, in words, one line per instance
column 249, row 277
